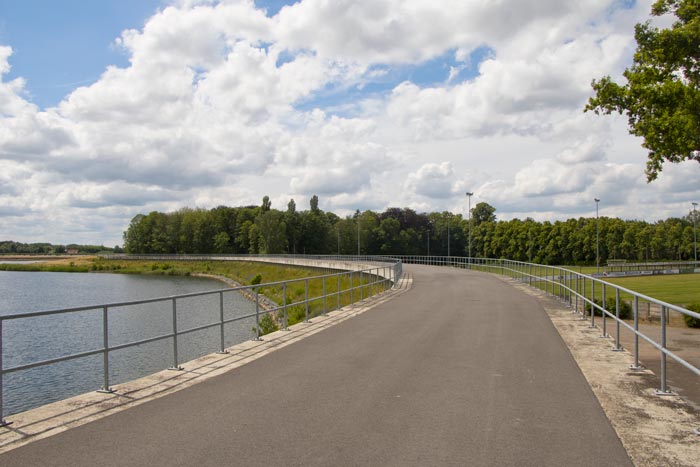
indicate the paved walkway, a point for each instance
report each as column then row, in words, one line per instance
column 463, row 369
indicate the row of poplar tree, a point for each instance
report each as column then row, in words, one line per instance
column 262, row 229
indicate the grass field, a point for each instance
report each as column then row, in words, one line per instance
column 679, row 289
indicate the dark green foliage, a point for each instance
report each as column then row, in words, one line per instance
column 256, row 280
column 662, row 95
column 267, row 324
column 625, row 308
column 404, row 232
column 691, row 321
column 18, row 248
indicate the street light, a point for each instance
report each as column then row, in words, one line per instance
column 430, row 224
column 597, row 247
column 428, row 240
column 469, row 212
column 448, row 234
column 695, row 232
column 358, row 232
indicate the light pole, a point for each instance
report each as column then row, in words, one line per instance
column 358, row 232
column 429, row 226
column 469, row 212
column 597, row 248
column 695, row 232
column 448, row 234
column 338, row 227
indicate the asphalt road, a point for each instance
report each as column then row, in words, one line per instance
column 461, row 370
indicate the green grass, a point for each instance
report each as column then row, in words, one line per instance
column 678, row 289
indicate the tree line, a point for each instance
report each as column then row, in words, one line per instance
column 10, row 247
column 397, row 231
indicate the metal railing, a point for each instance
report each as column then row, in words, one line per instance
column 337, row 289
column 585, row 294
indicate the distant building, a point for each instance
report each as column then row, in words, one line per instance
column 71, row 251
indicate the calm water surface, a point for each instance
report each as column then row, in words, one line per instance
column 41, row 338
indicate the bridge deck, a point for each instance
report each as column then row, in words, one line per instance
column 461, row 370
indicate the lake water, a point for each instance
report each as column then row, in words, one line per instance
column 35, row 339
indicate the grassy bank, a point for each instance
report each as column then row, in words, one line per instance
column 243, row 272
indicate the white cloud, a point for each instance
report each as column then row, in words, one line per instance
column 222, row 104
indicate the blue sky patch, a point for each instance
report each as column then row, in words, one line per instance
column 381, row 79
column 59, row 46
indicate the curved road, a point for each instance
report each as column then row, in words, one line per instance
column 462, row 369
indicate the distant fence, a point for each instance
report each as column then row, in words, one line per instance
column 622, row 268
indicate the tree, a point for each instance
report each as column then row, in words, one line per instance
column 292, row 222
column 314, row 203
column 483, row 212
column 266, row 204
column 221, row 241
column 272, row 231
column 662, row 94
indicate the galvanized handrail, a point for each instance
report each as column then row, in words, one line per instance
column 570, row 287
column 382, row 273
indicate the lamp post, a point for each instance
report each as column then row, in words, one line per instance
column 338, row 228
column 469, row 212
column 597, row 244
column 358, row 232
column 430, row 224
column 449, row 216
column 695, row 232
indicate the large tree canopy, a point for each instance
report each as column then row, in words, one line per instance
column 662, row 94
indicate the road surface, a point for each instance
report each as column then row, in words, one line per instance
column 461, row 370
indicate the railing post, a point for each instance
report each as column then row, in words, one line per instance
column 3, row 422
column 105, row 353
column 284, row 306
column 603, row 305
column 618, row 347
column 176, row 365
column 222, row 350
column 325, row 303
column 338, row 290
column 592, row 302
column 664, row 389
column 352, row 292
column 306, row 300
column 257, row 316
column 636, row 365
column 583, row 299
column 361, row 283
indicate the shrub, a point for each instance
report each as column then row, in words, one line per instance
column 267, row 324
column 256, row 280
column 690, row 321
column 625, row 308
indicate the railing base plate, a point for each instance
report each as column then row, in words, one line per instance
column 661, row 393
column 223, row 352
column 618, row 349
column 176, row 368
column 106, row 391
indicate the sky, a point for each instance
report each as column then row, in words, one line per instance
column 113, row 108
